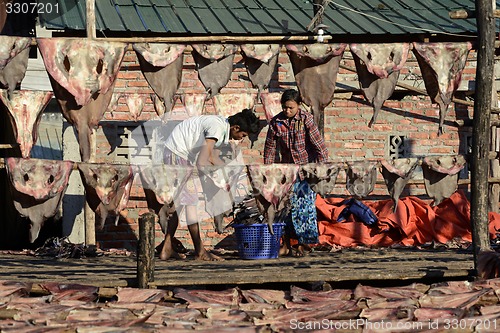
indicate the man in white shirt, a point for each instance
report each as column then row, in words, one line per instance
column 194, row 142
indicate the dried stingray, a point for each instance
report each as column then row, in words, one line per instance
column 271, row 102
column 214, row 63
column 361, row 178
column 315, row 67
column 378, row 67
column 162, row 184
column 25, row 108
column 441, row 65
column 107, row 188
column 193, row 103
column 272, row 185
column 37, row 188
column 161, row 64
column 321, row 176
column 229, row 104
column 14, row 54
column 82, row 74
column 260, row 62
column 135, row 103
column 397, row 172
column 441, row 176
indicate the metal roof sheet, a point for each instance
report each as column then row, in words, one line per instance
column 264, row 17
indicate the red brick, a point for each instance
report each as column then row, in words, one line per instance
column 137, row 84
column 129, row 75
column 355, row 145
column 441, row 150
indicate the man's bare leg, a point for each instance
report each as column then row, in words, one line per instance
column 302, row 249
column 194, row 230
column 288, row 250
column 168, row 250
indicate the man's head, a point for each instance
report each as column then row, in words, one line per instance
column 242, row 124
column 290, row 102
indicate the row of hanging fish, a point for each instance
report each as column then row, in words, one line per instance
column 440, row 174
column 38, row 185
column 273, row 182
column 83, row 72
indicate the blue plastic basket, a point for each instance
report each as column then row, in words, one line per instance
column 256, row 242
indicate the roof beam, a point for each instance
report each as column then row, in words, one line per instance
column 469, row 14
column 215, row 39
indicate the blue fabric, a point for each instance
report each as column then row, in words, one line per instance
column 302, row 219
column 360, row 210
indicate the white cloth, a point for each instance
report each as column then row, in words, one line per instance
column 188, row 137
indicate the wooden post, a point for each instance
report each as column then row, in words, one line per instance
column 91, row 19
column 481, row 126
column 494, row 195
column 146, row 250
column 90, row 237
column 3, row 13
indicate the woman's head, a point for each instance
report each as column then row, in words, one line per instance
column 290, row 102
column 242, row 124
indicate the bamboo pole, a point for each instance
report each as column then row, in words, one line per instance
column 481, row 127
column 90, row 6
column 215, row 39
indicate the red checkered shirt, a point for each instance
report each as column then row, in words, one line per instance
column 296, row 139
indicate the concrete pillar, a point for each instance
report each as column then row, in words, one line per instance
column 74, row 198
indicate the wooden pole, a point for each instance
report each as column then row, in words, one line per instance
column 146, row 250
column 481, row 127
column 91, row 19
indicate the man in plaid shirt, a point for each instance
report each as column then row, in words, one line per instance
column 295, row 135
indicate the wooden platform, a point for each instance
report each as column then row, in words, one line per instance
column 349, row 265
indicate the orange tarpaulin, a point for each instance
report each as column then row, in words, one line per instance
column 415, row 222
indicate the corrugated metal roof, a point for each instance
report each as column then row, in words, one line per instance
column 264, row 17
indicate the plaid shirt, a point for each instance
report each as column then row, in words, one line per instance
column 297, row 139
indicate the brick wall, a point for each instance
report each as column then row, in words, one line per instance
column 346, row 130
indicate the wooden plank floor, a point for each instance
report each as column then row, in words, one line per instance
column 347, row 265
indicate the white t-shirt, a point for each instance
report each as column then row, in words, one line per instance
column 189, row 136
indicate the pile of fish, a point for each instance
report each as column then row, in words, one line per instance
column 246, row 212
column 61, row 247
column 76, row 308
